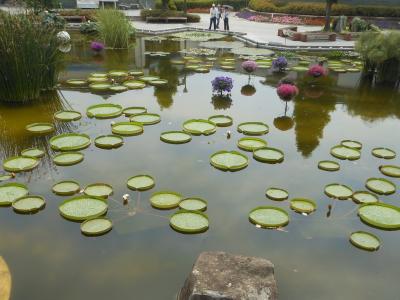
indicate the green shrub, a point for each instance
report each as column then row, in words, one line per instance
column 89, row 28
column 144, row 13
column 359, row 25
column 236, row 4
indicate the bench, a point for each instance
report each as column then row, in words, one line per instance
column 75, row 19
column 166, row 19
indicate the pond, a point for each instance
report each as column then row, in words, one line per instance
column 143, row 257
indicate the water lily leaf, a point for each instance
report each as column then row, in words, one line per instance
column 100, row 86
column 338, row 191
column 390, row 170
column 384, row 153
column 299, row 68
column 192, row 67
column 177, row 62
column 302, row 205
column 227, row 67
column 5, row 280
column 20, row 164
column 40, row 128
column 68, row 158
column 96, row 226
column 355, row 70
column 98, row 80
column 269, row 216
column 82, row 208
column 33, row 152
column 193, row 204
column 199, row 126
column 146, row 118
column 134, row 84
column 134, row 110
column 189, row 221
column 251, row 143
column 136, row 73
column 175, row 137
column 277, row 194
column 70, row 142
column 202, row 70
column 98, row 190
column 10, row 192
column 148, row 78
column 253, row 128
column 118, row 73
column 67, row 115
column 361, row 197
column 66, row 188
column 165, row 200
column 229, row 160
column 351, row 144
column 29, row 204
column 76, row 82
column 221, row 120
column 343, row 152
column 127, row 128
column 365, row 240
column 141, row 182
column 268, row 155
column 98, row 74
column 109, row 141
column 328, row 165
column 4, row 177
column 381, row 186
column 380, row 215
column 118, row 88
column 158, row 82
column 104, row 111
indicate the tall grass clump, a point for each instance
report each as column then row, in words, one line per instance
column 114, row 28
column 29, row 58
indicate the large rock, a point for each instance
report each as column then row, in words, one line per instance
column 224, row 276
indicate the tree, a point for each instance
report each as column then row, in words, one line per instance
column 328, row 11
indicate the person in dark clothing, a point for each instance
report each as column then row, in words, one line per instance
column 226, row 18
column 213, row 17
column 219, row 14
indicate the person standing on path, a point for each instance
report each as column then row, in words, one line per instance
column 226, row 18
column 213, row 17
column 219, row 14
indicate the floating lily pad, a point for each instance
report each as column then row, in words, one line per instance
column 227, row 67
column 381, row 186
column 29, row 204
column 40, row 128
column 268, row 155
column 70, row 142
column 353, row 70
column 269, row 216
column 134, row 110
column 251, row 143
column 177, row 62
column 134, row 84
column 221, row 120
column 127, row 128
column 193, row 204
column 189, row 221
column 99, row 75
column 199, row 126
column 380, row 215
column 76, row 82
column 109, row 141
column 82, row 208
column 158, row 82
column 361, row 197
column 343, row 152
column 202, row 70
column 136, row 73
column 328, row 165
column 33, row 152
column 351, row 144
column 302, row 205
column 390, row 170
column 253, row 128
column 365, row 240
column 146, row 118
column 99, row 190
column 68, row 158
column 66, row 188
column 100, row 86
column 383, row 153
column 165, row 200
column 100, row 80
column 299, row 68
column 192, row 67
column 20, row 164
column 4, row 177
column 175, row 137
column 338, row 191
column 229, row 160
column 96, row 226
column 277, row 194
column 118, row 88
column 10, row 192
column 104, row 111
column 149, row 78
column 67, row 115
column 117, row 73
column 141, row 182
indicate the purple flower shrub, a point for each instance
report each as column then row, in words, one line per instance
column 97, row 46
column 222, row 84
column 249, row 66
column 280, row 63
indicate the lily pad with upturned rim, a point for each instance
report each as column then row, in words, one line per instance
column 127, row 128
column 9, row 192
column 199, row 127
column 251, row 143
column 4, row 177
column 193, row 204
column 70, row 142
column 189, row 221
column 29, row 204
column 380, row 215
column 104, row 111
column 96, row 226
column 141, row 183
column 98, row 74
column 221, row 120
column 365, row 240
column 385, row 153
column 269, row 216
column 76, row 82
column 146, row 118
column 338, row 191
column 302, row 205
column 117, row 73
column 253, row 128
column 361, row 197
column 100, row 86
column 68, row 158
column 165, row 200
column 175, row 137
column 229, row 160
column 135, row 73
column 109, row 141
column 227, row 67
column 67, row 115
column 328, row 165
column 118, row 88
column 268, row 155
column 66, row 188
column 277, row 194
column 40, row 128
column 134, row 110
column 20, row 164
column 390, row 170
column 148, row 78
column 343, row 152
column 98, row 80
column 134, row 84
column 33, row 152
column 381, row 186
column 351, row 144
column 158, row 82
column 98, row 190
column 82, row 208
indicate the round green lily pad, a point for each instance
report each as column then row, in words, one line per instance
column 192, row 67
column 99, row 190
column 202, row 70
column 268, row 155
column 134, row 110
column 269, row 216
column 98, row 74
column 193, row 204
column 141, row 182
column 127, row 128
column 189, row 221
column 351, row 144
column 76, row 82
column 33, row 152
column 381, row 186
column 109, row 141
column 10, row 192
column 199, row 126
column 104, row 111
column 118, row 88
column 338, row 191
column 83, row 207
column 29, row 204
column 68, row 158
column 380, row 215
column 134, row 84
column 70, row 142
column 253, row 128
column 390, row 170
column 229, row 160
column 277, row 194
column 362, row 197
column 146, row 118
column 365, row 240
column 328, row 165
column 96, row 226
column 40, row 128
column 175, row 137
column 100, row 86
column 4, row 177
column 228, row 67
column 353, row 70
column 67, row 115
column 165, row 200
column 302, row 205
column 117, row 73
column 20, row 164
column 299, row 69
column 135, row 73
column 384, row 153
column 66, row 188
column 221, row 120
column 158, row 82
column 149, row 78
column 98, row 80
column 343, row 152
column 251, row 143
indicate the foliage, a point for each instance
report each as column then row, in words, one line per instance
column 89, row 14
column 168, row 13
column 89, row 28
column 52, row 20
column 180, row 4
column 40, row 5
column 222, row 84
column 358, row 25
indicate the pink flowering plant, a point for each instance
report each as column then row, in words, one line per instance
column 317, row 71
column 249, row 66
column 287, row 91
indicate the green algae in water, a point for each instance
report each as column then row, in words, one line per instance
column 221, row 120
column 99, row 190
column 40, row 128
column 199, row 126
column 390, row 170
column 268, row 155
column 66, row 188
column 361, row 197
column 165, row 200
column 381, row 186
column 20, row 164
column 253, row 128
column 104, row 111
column 251, row 143
column 384, row 153
column 328, row 165
column 277, row 194
column 302, row 205
column 141, row 183
column 189, row 221
column 109, row 141
column 193, row 204
column 33, row 152
column 146, row 118
column 10, row 192
column 68, row 158
column 127, row 128
column 29, row 204
column 229, row 160
column 67, row 115
column 82, row 208
column 175, row 137
column 269, row 216
column 380, row 215
column 96, row 226
column 70, row 142
column 365, row 240
column 338, row 191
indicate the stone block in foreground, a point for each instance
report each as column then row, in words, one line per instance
column 224, row 276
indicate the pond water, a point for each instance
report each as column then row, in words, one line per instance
column 143, row 257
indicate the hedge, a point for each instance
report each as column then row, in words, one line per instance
column 144, row 13
column 236, row 4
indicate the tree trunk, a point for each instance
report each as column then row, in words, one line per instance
column 328, row 11
column 185, row 6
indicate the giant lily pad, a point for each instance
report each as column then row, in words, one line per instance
column 149, row 78
column 158, row 82
column 146, row 118
column 199, row 126
column 118, row 88
column 29, row 204
column 338, row 191
column 251, row 143
column 228, row 67
column 134, row 84
column 66, row 188
column 189, row 221
column 10, row 192
column 98, row 80
column 136, row 73
column 70, row 142
column 104, row 111
column 351, row 144
column 277, row 194
column 390, row 170
column 381, row 186
column 67, row 115
column 165, row 200
column 33, row 152
column 175, row 137
column 380, row 215
column 40, row 128
column 362, row 197
column 268, row 155
column 269, row 216
column 109, row 141
column 229, row 160
column 343, row 152
column 117, row 73
column 4, row 177
column 96, row 226
column 253, row 128
column 383, row 153
column 127, row 128
column 365, row 240
column 134, row 110
column 100, row 86
column 83, row 207
column 221, row 120
column 68, row 158
column 99, row 190
column 99, row 75
column 328, row 165
column 193, row 204
column 20, row 163
column 302, row 205
column 141, row 182
column 76, row 82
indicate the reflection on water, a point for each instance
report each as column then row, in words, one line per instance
column 142, row 257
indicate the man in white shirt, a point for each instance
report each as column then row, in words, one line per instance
column 213, row 17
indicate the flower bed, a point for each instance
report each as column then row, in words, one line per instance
column 281, row 18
